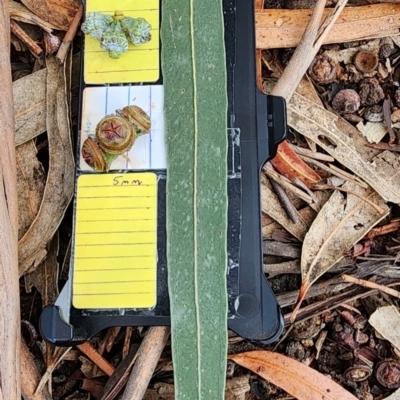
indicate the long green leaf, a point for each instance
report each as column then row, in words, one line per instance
column 193, row 65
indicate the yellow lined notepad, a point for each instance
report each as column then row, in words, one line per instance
column 115, row 248
column 139, row 63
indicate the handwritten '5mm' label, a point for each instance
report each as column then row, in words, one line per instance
column 115, row 243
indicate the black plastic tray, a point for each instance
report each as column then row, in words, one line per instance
column 257, row 123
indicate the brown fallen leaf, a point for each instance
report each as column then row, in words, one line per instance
column 297, row 379
column 385, row 321
column 60, row 180
column 57, row 12
column 29, row 94
column 343, row 142
column 31, row 179
column 341, row 223
column 289, row 164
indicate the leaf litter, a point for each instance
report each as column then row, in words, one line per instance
column 372, row 159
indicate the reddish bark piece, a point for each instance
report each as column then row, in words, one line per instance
column 57, row 12
column 299, row 380
column 289, row 164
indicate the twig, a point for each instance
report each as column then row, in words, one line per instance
column 19, row 33
column 69, row 36
column 303, row 186
column 147, row 358
column 87, row 349
column 356, row 179
column 285, row 183
column 312, row 154
column 371, row 203
column 285, row 201
column 371, row 285
column 383, row 230
column 339, row 173
column 58, row 355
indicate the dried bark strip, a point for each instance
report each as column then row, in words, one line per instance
column 58, row 13
column 31, row 180
column 60, row 179
column 19, row 33
column 284, row 28
column 19, row 12
column 30, row 377
column 69, row 36
column 10, row 378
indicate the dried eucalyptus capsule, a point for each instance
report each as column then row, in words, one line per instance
column 136, row 29
column 137, row 117
column 96, row 24
column 115, row 135
column 95, row 157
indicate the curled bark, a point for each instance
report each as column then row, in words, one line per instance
column 9, row 289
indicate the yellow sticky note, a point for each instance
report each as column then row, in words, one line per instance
column 139, row 63
column 115, row 246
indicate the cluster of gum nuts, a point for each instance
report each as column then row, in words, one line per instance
column 115, row 135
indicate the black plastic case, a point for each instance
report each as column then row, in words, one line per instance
column 257, row 123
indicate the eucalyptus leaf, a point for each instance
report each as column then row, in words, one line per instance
column 194, row 73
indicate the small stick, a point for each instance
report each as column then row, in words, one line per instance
column 383, row 230
column 285, row 183
column 303, row 186
column 371, row 203
column 69, row 36
column 19, row 33
column 87, row 349
column 371, row 285
column 312, row 154
column 334, row 171
column 127, row 341
column 148, row 356
column 58, row 355
column 357, row 180
column 320, row 342
column 285, row 201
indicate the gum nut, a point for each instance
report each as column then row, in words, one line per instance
column 136, row 116
column 137, row 30
column 96, row 24
column 115, row 135
column 346, row 101
column 93, row 155
column 322, row 69
column 114, row 40
column 366, row 61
